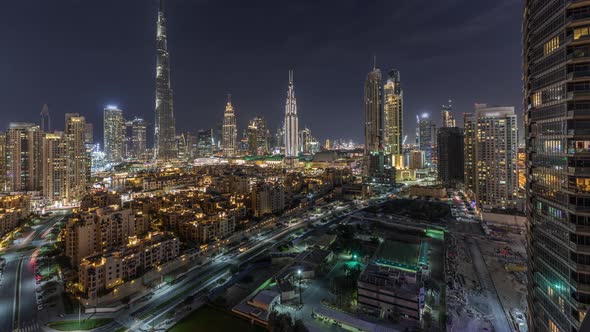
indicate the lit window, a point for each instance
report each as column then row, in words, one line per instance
column 551, row 45
column 581, row 32
column 553, row 327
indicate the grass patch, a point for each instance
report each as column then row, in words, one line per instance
column 73, row 325
column 210, row 319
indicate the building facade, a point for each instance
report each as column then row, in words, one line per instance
column 78, row 157
column 205, row 143
column 469, row 136
column 373, row 111
column 496, row 157
column 450, row 156
column 291, row 121
column 426, row 137
column 138, row 138
column 393, row 114
column 556, row 53
column 55, row 167
column 114, row 134
column 229, row 139
column 446, row 115
column 165, row 126
column 23, row 157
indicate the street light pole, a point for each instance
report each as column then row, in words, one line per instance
column 300, row 294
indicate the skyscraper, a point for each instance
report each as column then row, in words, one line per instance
column 45, row 119
column 165, row 128
column 229, row 130
column 556, row 54
column 205, row 142
column 291, row 121
column 496, row 178
column 89, row 134
column 55, row 167
column 446, row 115
column 469, row 136
column 23, row 157
column 2, row 161
column 450, row 156
column 426, row 134
column 393, row 114
column 373, row 111
column 114, row 134
column 77, row 156
column 138, row 138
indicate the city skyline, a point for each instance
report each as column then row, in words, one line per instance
column 200, row 93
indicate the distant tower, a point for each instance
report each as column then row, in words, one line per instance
column 373, row 111
column 393, row 114
column 114, row 134
column 446, row 115
column 229, row 130
column 45, row 119
column 291, row 122
column 165, row 129
column 138, row 137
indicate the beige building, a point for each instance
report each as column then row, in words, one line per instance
column 23, row 157
column 101, row 272
column 268, row 198
column 55, row 168
column 79, row 166
column 98, row 231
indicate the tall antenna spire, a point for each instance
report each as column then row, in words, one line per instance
column 374, row 62
column 161, row 5
column 291, row 76
column 229, row 98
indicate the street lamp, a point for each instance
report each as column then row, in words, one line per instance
column 300, row 295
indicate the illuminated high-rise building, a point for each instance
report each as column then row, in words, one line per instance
column 291, row 121
column 393, row 114
column 306, row 141
column 469, row 162
column 258, row 137
column 556, row 55
column 205, row 142
column 45, row 119
column 446, row 115
column 165, row 127
column 373, row 111
column 89, row 134
column 229, row 130
column 77, row 155
column 426, row 137
column 55, row 168
column 496, row 177
column 114, row 134
column 2, row 161
column 23, row 157
column 328, row 146
column 138, row 138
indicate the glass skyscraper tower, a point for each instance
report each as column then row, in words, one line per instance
column 556, row 55
column 165, row 129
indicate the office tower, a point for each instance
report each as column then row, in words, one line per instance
column 373, row 111
column 2, row 161
column 496, row 181
column 78, row 155
column 393, row 114
column 205, row 142
column 229, row 139
column 89, row 134
column 469, row 162
column 450, row 156
column 23, row 157
column 165, row 129
column 55, row 165
column 181, row 147
column 426, row 134
column 327, row 146
column 280, row 137
column 252, row 134
column 138, row 138
column 191, row 145
column 446, row 115
column 291, row 122
column 262, row 136
column 45, row 119
column 305, row 139
column 556, row 53
column 114, row 134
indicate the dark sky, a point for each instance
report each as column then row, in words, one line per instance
column 80, row 55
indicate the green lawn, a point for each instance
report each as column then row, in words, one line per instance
column 210, row 319
column 72, row 325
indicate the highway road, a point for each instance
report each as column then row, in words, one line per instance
column 18, row 303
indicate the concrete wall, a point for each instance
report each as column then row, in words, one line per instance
column 504, row 220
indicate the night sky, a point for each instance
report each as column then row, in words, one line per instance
column 80, row 55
